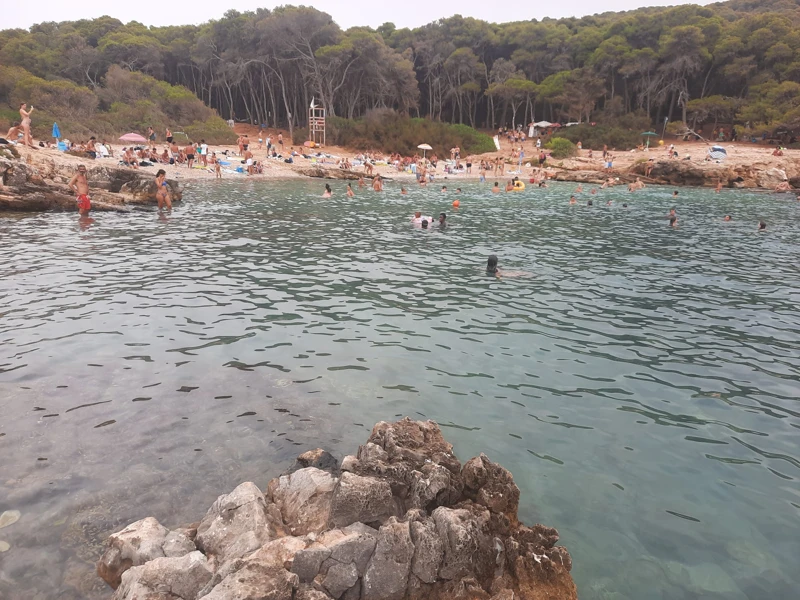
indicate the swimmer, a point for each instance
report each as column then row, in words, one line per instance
column 624, row 205
column 572, row 200
column 496, row 188
column 593, row 192
column 579, row 189
column 350, row 192
column 458, row 190
column 328, row 191
column 589, row 203
column 673, row 221
column 424, row 223
column 403, row 191
column 377, row 183
column 444, row 188
column 675, row 194
column 80, row 186
column 762, row 226
column 162, row 190
column 718, row 189
column 491, row 266
column 361, row 183
column 727, row 218
column 418, row 218
column 442, row 219
column 672, row 213
column 608, row 203
column 510, row 186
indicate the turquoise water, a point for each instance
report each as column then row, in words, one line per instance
column 641, row 382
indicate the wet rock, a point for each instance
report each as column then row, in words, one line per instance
column 4, row 546
column 165, row 578
column 323, row 173
column 319, row 459
column 138, row 543
column 256, row 581
column 304, row 499
column 236, row 524
column 9, row 517
column 361, row 499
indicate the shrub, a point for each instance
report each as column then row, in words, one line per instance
column 213, row 130
column 595, row 136
column 561, row 148
column 387, row 131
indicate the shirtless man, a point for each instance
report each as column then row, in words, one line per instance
column 13, row 132
column 80, row 186
column 189, row 150
column 496, row 188
column 162, row 190
column 377, row 183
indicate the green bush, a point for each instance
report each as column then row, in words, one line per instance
column 213, row 130
column 561, row 148
column 594, row 136
column 387, row 131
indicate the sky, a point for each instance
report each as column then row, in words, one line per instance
column 347, row 13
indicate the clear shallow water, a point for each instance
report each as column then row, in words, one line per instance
column 641, row 384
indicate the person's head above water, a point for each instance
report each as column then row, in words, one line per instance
column 458, row 190
column 442, row 218
column 417, row 214
column 444, row 188
column 675, row 194
column 589, row 203
column 762, row 225
column 328, row 187
column 424, row 223
column 624, row 205
column 727, row 218
column 491, row 264
column 673, row 221
column 672, row 211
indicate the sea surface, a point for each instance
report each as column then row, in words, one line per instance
column 640, row 382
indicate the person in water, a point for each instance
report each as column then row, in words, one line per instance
column 444, row 188
column 673, row 221
column 162, row 190
column 350, row 192
column 727, row 218
column 80, row 186
column 672, row 213
column 328, row 191
column 496, row 188
column 589, row 203
column 762, row 226
column 442, row 220
column 491, row 266
column 572, row 200
column 403, row 191
column 424, row 223
column 624, row 205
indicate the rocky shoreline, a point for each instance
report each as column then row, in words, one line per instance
column 37, row 185
column 402, row 519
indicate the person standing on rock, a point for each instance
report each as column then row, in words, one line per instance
column 25, row 115
column 162, row 190
column 80, row 186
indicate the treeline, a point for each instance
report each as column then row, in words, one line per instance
column 737, row 61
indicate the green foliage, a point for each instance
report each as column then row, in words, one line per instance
column 213, row 130
column 596, row 136
column 561, row 148
column 388, row 131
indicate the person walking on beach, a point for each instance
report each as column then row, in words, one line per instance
column 204, row 152
column 25, row 124
column 151, row 135
column 189, row 150
column 280, row 141
column 162, row 190
column 80, row 186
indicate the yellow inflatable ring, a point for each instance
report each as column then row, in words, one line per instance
column 518, row 186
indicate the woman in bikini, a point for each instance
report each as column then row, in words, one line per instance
column 26, row 125
column 162, row 190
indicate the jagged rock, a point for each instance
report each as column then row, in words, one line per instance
column 460, row 539
column 138, row 543
column 428, row 550
column 256, row 581
column 165, row 579
column 387, row 574
column 492, row 486
column 361, row 499
column 304, row 499
column 236, row 524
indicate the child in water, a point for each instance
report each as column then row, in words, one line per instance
column 328, row 191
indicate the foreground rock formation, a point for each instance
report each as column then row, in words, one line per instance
column 403, row 519
column 41, row 184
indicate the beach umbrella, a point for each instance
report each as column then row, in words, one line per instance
column 56, row 131
column 648, row 135
column 133, row 137
column 424, row 148
column 542, row 124
column 718, row 153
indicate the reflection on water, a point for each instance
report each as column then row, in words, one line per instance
column 642, row 384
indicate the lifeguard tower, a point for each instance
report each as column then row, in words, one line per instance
column 316, row 124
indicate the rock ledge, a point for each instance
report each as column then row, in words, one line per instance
column 401, row 520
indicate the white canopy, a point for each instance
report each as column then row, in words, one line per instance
column 542, row 124
column 425, row 147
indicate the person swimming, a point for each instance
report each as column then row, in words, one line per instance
column 673, row 221
column 442, row 220
column 328, row 191
column 350, row 192
column 572, row 200
column 762, row 226
column 496, row 188
column 727, row 218
column 590, row 203
column 424, row 223
column 403, row 191
column 491, row 266
column 624, row 205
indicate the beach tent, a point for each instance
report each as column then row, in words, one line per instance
column 718, row 153
column 424, row 148
column 133, row 137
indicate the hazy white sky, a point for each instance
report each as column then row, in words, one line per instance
column 347, row 13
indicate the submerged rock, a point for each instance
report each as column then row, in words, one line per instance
column 9, row 517
column 403, row 521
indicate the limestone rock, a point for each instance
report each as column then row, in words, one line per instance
column 770, row 178
column 304, row 499
column 319, row 459
column 466, row 547
column 428, row 550
column 138, row 543
column 492, row 486
column 307, row 562
column 387, row 574
column 256, row 581
column 340, row 578
column 165, row 579
column 236, row 524
column 355, row 545
column 361, row 499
